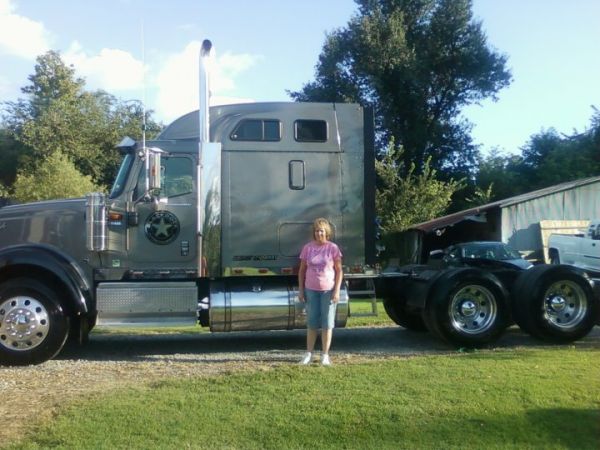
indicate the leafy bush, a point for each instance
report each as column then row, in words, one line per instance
column 54, row 178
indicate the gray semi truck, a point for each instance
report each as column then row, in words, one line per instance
column 204, row 225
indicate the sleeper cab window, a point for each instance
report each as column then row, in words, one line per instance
column 257, row 130
column 310, row 130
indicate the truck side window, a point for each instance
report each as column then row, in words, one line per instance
column 257, row 130
column 177, row 178
column 310, row 130
column 121, row 179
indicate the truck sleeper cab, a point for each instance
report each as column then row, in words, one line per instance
column 280, row 165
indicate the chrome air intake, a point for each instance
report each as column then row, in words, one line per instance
column 95, row 222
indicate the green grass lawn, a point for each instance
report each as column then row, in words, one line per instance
column 359, row 306
column 514, row 398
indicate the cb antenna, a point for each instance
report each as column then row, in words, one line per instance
column 143, row 87
column 144, row 149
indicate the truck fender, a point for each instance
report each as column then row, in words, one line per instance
column 35, row 259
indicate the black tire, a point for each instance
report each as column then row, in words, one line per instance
column 400, row 316
column 394, row 303
column 33, row 325
column 555, row 303
column 467, row 307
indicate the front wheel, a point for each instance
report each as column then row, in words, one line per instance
column 33, row 325
column 555, row 303
column 468, row 308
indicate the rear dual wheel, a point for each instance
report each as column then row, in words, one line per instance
column 555, row 303
column 467, row 308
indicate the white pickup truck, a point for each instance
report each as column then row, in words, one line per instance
column 581, row 250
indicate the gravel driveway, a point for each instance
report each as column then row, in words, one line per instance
column 109, row 361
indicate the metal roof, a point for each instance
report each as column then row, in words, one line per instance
column 549, row 190
column 477, row 214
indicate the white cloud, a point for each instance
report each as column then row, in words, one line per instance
column 111, row 69
column 229, row 66
column 20, row 36
column 177, row 81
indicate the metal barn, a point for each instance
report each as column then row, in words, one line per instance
column 515, row 220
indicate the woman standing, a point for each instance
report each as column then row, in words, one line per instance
column 319, row 281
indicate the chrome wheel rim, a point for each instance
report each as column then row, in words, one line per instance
column 565, row 304
column 24, row 323
column 473, row 309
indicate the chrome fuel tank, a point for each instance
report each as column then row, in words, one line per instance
column 261, row 304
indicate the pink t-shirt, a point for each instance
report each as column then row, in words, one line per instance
column 320, row 274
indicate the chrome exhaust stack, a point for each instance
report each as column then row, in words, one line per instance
column 204, row 92
column 208, row 176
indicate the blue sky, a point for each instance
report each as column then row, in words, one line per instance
column 267, row 46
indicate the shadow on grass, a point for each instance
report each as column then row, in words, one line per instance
column 565, row 428
column 568, row 428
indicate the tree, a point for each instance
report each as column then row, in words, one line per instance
column 58, row 115
column 10, row 153
column 417, row 63
column 3, row 193
column 569, row 158
column 547, row 159
column 404, row 201
column 505, row 173
column 54, row 178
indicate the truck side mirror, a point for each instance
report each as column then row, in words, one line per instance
column 155, row 171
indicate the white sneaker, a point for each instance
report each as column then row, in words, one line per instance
column 306, row 358
column 325, row 360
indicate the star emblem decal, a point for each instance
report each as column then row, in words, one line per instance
column 162, row 227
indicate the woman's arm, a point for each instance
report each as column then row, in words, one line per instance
column 301, row 277
column 339, row 274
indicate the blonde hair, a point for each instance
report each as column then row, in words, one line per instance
column 322, row 223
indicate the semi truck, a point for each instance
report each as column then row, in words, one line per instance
column 204, row 225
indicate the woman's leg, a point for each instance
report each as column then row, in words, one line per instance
column 327, row 320
column 311, row 339
column 326, row 334
column 313, row 313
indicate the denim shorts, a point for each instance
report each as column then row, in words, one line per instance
column 320, row 310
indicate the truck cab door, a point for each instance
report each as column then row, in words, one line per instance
column 165, row 236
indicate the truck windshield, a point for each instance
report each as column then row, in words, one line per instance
column 121, row 179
